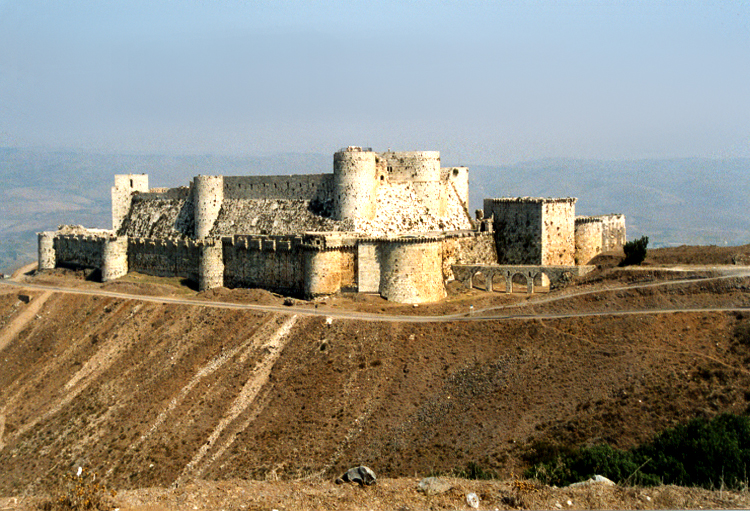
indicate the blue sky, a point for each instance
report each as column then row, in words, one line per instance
column 483, row 82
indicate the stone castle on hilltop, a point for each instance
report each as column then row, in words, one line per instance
column 393, row 223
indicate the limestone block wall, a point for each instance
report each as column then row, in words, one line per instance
column 268, row 262
column 125, row 186
column 164, row 257
column 411, row 270
column 588, row 239
column 46, row 250
column 558, row 232
column 354, row 184
column 208, row 196
column 518, row 229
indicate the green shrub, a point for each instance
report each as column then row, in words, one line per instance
column 635, row 251
column 708, row 453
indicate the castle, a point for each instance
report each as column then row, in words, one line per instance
column 393, row 223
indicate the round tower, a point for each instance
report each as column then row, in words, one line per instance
column 322, row 272
column 114, row 258
column 47, row 254
column 208, row 196
column 412, row 271
column 211, row 265
column 354, row 184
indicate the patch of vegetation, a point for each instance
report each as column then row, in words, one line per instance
column 635, row 251
column 709, row 453
column 80, row 492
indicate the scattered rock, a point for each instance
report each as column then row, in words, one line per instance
column 472, row 500
column 433, row 486
column 597, row 479
column 361, row 475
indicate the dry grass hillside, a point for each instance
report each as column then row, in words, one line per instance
column 259, row 410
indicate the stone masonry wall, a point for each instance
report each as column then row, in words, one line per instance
column 558, row 232
column 79, row 250
column 164, row 257
column 588, row 239
column 269, row 262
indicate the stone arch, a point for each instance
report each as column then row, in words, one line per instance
column 478, row 280
column 541, row 281
column 500, row 281
column 519, row 281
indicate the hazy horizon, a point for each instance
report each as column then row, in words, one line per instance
column 483, row 83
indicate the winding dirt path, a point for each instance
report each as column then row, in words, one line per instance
column 23, row 319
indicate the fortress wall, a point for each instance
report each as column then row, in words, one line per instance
column 164, row 257
column 518, row 229
column 478, row 248
column 79, row 250
column 46, row 250
column 411, row 271
column 307, row 187
column 558, row 232
column 588, row 236
column 208, row 196
column 269, row 262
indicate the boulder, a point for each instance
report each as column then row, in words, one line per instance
column 361, row 475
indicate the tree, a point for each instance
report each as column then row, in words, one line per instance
column 635, row 251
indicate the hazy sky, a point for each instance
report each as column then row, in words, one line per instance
column 481, row 81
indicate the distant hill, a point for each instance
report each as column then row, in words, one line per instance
column 681, row 201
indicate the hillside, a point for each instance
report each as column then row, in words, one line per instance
column 155, row 394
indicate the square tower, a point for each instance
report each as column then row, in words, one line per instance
column 533, row 230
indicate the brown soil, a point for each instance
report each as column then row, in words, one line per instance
column 255, row 409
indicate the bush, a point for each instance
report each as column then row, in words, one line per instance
column 635, row 251
column 708, row 453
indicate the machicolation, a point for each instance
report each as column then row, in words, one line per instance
column 392, row 223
